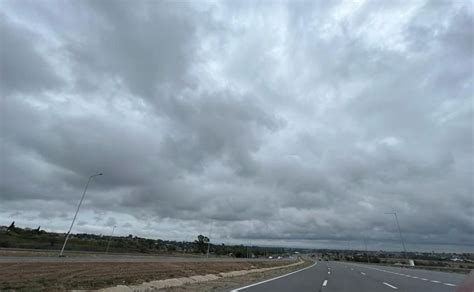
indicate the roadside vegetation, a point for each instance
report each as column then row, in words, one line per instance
column 28, row 238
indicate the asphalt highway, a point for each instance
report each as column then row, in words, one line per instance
column 341, row 276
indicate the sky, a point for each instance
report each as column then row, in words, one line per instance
column 282, row 123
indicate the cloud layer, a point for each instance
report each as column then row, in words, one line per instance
column 282, row 123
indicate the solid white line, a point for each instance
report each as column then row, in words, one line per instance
column 449, row 284
column 391, row 286
column 362, row 273
column 325, row 283
column 434, row 281
column 279, row 277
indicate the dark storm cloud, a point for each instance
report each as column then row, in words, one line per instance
column 282, row 121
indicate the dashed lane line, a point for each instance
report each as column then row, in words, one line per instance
column 391, row 286
column 409, row 276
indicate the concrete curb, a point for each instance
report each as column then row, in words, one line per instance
column 174, row 282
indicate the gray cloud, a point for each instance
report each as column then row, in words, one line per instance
column 283, row 123
column 24, row 67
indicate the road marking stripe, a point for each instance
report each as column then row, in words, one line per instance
column 391, row 286
column 329, row 273
column 400, row 274
column 362, row 273
column 279, row 277
column 325, row 283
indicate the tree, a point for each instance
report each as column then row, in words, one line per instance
column 11, row 227
column 202, row 243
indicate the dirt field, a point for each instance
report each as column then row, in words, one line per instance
column 57, row 276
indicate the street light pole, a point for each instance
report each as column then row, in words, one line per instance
column 209, row 241
column 366, row 251
column 400, row 232
column 110, row 238
column 77, row 211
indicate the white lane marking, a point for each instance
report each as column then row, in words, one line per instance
column 413, row 277
column 329, row 273
column 325, row 283
column 362, row 273
column 391, row 286
column 255, row 284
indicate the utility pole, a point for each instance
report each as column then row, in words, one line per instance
column 77, row 211
column 110, row 238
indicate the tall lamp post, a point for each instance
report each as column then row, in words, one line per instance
column 366, row 251
column 209, row 241
column 77, row 211
column 110, row 238
column 400, row 232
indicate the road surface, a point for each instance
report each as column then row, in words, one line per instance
column 341, row 276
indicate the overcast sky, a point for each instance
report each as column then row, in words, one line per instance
column 283, row 123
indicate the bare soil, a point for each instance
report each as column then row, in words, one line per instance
column 60, row 276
